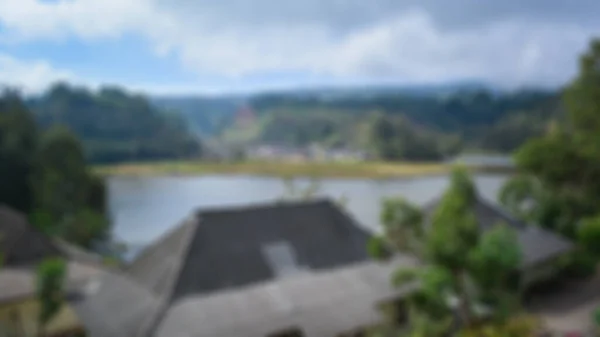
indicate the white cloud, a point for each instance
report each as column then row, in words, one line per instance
column 509, row 43
column 30, row 76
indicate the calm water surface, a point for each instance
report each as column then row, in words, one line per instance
column 143, row 208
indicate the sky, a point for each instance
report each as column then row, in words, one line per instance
column 213, row 46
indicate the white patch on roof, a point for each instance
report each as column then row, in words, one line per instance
column 281, row 258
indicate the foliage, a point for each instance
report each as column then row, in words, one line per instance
column 407, row 126
column 403, row 225
column 565, row 163
column 518, row 326
column 589, row 235
column 18, row 141
column 51, row 275
column 71, row 200
column 596, row 317
column 115, row 126
column 376, row 247
column 45, row 175
column 580, row 263
column 459, row 261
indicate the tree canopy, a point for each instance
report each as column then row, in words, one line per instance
column 558, row 186
column 458, row 261
column 44, row 174
column 114, row 125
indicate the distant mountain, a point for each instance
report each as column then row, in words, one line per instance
column 370, row 90
column 210, row 115
column 207, row 115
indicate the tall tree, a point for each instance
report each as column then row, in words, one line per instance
column 70, row 199
column 559, row 181
column 458, row 260
column 18, row 141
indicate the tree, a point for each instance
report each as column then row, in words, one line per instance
column 50, row 290
column 114, row 125
column 458, row 260
column 589, row 235
column 18, row 142
column 71, row 201
column 559, row 173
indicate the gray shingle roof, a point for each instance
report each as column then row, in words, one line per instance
column 114, row 306
column 22, row 245
column 537, row 244
column 320, row 304
column 19, row 242
column 222, row 249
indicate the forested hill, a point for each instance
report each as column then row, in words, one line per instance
column 114, row 125
column 409, row 126
column 207, row 116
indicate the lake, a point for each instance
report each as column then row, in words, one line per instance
column 143, row 208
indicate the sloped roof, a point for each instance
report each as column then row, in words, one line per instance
column 112, row 305
column 22, row 245
column 537, row 244
column 224, row 248
column 19, row 242
column 320, row 304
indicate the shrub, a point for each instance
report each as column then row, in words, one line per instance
column 580, row 264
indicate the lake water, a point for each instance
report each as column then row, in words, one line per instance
column 143, row 208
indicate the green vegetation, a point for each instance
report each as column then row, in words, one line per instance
column 115, row 126
column 286, row 169
column 50, row 290
column 397, row 126
column 558, row 185
column 44, row 175
column 458, row 262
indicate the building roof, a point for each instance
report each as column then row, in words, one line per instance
column 19, row 242
column 320, row 304
column 112, row 305
column 22, row 245
column 537, row 244
column 227, row 248
column 17, row 283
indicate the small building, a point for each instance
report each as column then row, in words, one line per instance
column 99, row 301
column 540, row 248
column 264, row 270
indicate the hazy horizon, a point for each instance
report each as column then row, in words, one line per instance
column 183, row 47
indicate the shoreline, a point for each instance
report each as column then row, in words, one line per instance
column 365, row 170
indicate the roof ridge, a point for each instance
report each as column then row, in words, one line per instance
column 261, row 205
column 165, row 299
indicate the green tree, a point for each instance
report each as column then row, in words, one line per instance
column 560, row 172
column 70, row 199
column 458, row 260
column 50, row 290
column 589, row 235
column 18, row 142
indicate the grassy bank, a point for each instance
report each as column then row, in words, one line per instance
column 284, row 169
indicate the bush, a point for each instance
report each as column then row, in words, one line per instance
column 377, row 249
column 596, row 317
column 580, row 264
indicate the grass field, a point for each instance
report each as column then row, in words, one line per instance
column 284, row 169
